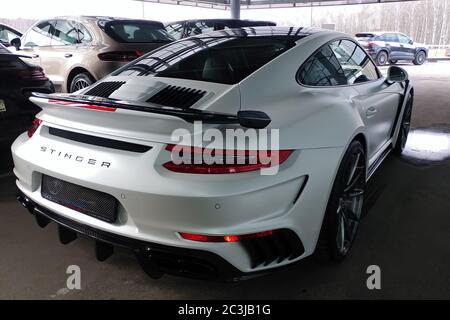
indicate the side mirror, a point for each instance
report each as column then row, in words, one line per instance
column 410, row 41
column 16, row 43
column 253, row 119
column 396, row 74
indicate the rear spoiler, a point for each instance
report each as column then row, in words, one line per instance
column 248, row 118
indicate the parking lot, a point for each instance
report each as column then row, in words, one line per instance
column 405, row 233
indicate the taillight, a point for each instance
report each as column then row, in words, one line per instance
column 231, row 161
column 36, row 74
column 227, row 238
column 371, row 45
column 34, row 126
column 120, row 56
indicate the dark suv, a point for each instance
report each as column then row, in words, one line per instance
column 187, row 28
column 390, row 47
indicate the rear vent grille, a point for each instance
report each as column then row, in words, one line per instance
column 178, row 97
column 98, row 141
column 105, row 89
column 282, row 245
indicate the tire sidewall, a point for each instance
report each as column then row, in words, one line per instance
column 398, row 149
column 382, row 54
column 331, row 221
column 85, row 76
column 417, row 61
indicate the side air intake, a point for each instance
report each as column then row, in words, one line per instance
column 178, row 97
column 105, row 89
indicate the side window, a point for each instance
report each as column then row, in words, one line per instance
column 391, row 37
column 403, row 39
column 199, row 27
column 7, row 35
column 83, row 34
column 64, row 33
column 39, row 35
column 175, row 30
column 355, row 62
column 322, row 69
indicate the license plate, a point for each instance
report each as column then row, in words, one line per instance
column 2, row 105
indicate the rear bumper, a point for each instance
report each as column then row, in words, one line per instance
column 166, row 259
column 156, row 259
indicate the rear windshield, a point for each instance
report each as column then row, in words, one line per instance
column 364, row 35
column 225, row 60
column 136, row 31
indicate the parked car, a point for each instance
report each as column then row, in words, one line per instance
column 7, row 34
column 391, row 47
column 18, row 78
column 77, row 51
column 104, row 162
column 187, row 28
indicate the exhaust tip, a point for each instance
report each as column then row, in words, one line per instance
column 25, row 202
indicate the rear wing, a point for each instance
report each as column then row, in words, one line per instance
column 248, row 119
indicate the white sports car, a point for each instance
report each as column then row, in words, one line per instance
column 100, row 162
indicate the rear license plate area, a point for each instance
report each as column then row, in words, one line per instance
column 91, row 202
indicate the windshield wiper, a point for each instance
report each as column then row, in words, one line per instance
column 247, row 119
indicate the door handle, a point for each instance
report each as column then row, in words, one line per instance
column 68, row 55
column 371, row 112
column 34, row 55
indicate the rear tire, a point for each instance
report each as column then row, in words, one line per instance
column 381, row 58
column 419, row 58
column 405, row 125
column 344, row 208
column 81, row 81
column 393, row 61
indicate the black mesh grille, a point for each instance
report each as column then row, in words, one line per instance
column 178, row 97
column 105, row 89
column 91, row 202
column 97, row 141
column 282, row 245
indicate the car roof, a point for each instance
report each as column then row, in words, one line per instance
column 378, row 33
column 101, row 18
column 264, row 32
column 219, row 20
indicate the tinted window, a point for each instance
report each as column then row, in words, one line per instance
column 6, row 35
column 175, row 30
column 39, row 35
column 355, row 62
column 199, row 27
column 64, row 33
column 214, row 59
column 389, row 37
column 83, row 34
column 137, row 32
column 322, row 69
column 403, row 39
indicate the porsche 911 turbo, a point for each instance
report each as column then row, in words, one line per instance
column 100, row 162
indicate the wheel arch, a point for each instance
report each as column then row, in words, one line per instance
column 74, row 72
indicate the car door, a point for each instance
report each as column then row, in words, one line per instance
column 36, row 39
column 406, row 46
column 59, row 55
column 393, row 46
column 376, row 100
